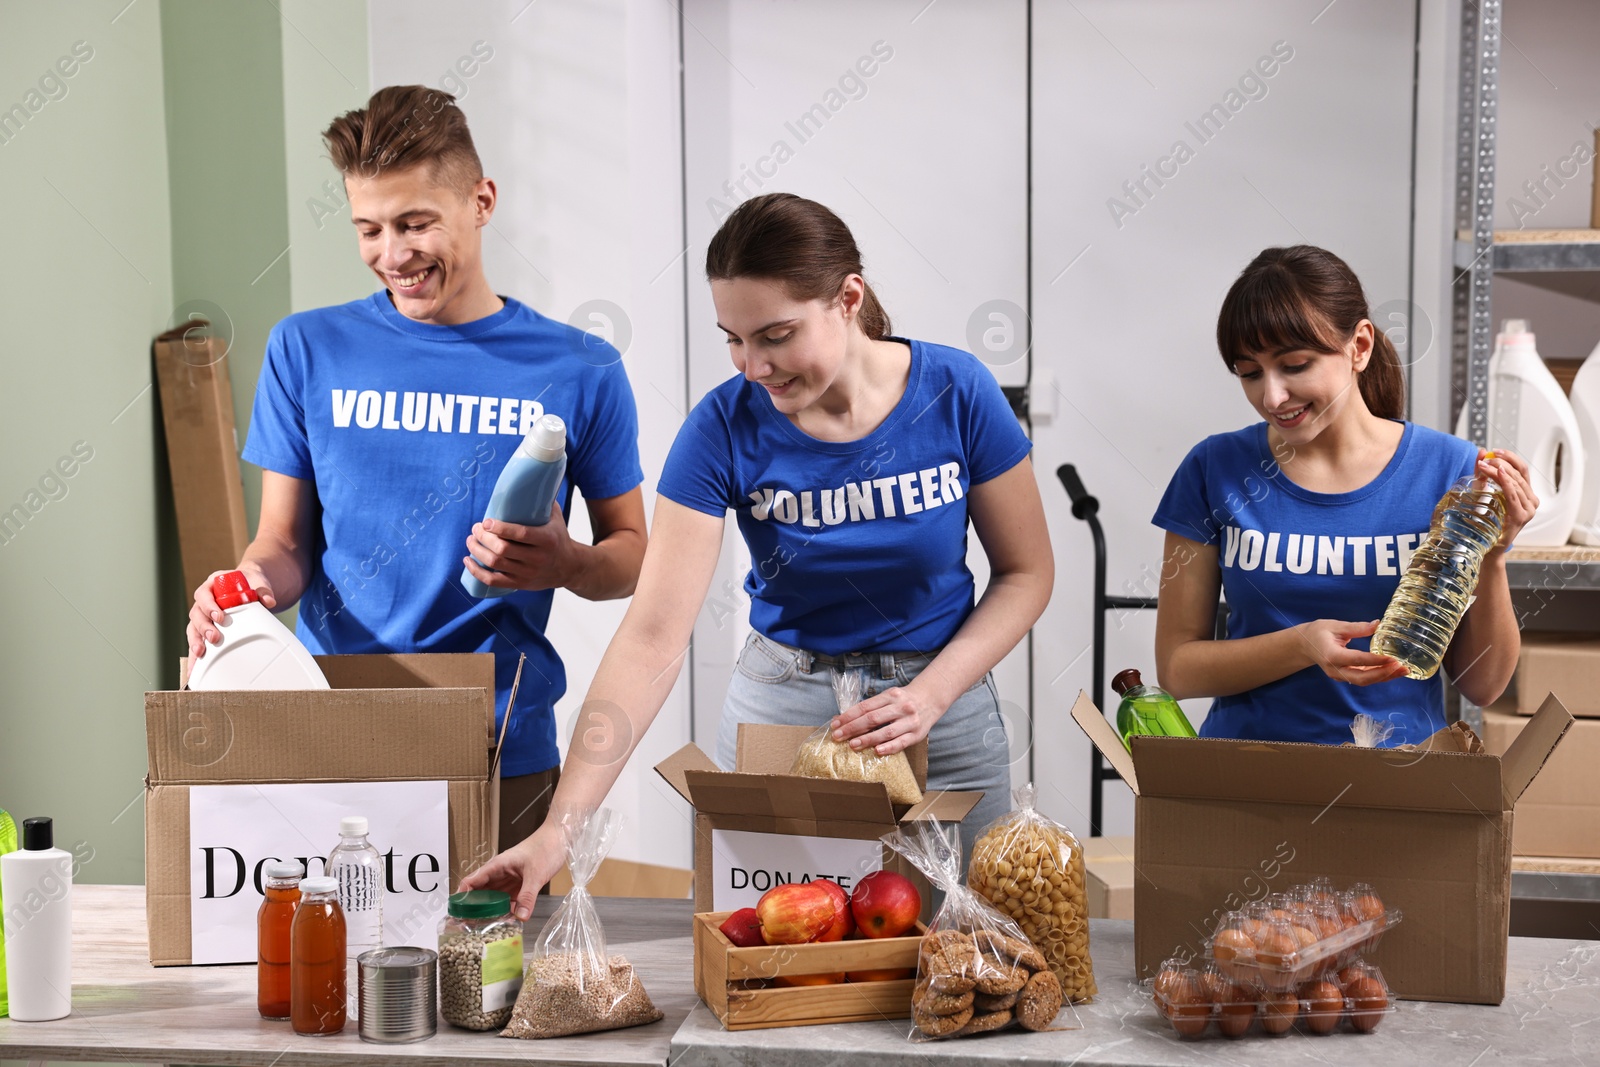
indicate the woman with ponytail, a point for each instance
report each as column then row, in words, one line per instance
column 853, row 461
column 1307, row 520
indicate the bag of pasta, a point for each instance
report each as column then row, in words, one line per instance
column 573, row 986
column 823, row 757
column 976, row 970
column 1031, row 868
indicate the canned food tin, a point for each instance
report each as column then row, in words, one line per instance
column 398, row 992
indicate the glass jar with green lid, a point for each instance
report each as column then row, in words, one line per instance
column 480, row 960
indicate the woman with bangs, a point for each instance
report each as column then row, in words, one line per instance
column 1307, row 519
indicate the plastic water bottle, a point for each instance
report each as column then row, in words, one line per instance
column 358, row 869
column 527, row 487
column 257, row 651
column 1438, row 584
column 1147, row 709
column 37, row 884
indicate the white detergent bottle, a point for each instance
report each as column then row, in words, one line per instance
column 1586, row 408
column 36, row 881
column 257, row 651
column 1531, row 416
column 527, row 487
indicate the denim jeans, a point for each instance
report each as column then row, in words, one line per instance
column 777, row 684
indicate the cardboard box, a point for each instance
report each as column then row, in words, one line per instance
column 1108, row 877
column 1559, row 815
column 388, row 718
column 627, row 878
column 202, row 450
column 1567, row 665
column 1220, row 823
column 808, row 827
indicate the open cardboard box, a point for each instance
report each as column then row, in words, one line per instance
column 1220, row 823
column 387, row 718
column 759, row 824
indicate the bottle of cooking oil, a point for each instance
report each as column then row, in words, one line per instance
column 1147, row 709
column 1438, row 584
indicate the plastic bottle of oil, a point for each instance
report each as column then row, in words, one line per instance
column 1147, row 709
column 1438, row 585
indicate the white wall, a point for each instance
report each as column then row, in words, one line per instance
column 575, row 115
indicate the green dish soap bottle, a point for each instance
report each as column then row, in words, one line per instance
column 8, row 843
column 1147, row 709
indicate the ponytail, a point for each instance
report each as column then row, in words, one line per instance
column 1383, row 384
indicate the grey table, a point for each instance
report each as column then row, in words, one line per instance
column 124, row 1009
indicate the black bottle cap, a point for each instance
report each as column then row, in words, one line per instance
column 1126, row 680
column 38, row 834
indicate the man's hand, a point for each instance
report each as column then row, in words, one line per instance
column 205, row 616
column 506, row 555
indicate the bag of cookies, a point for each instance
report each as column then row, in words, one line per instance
column 976, row 970
column 573, row 986
column 823, row 757
column 1031, row 867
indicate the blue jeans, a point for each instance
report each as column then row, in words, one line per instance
column 777, row 684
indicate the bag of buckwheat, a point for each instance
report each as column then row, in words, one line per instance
column 823, row 757
column 572, row 985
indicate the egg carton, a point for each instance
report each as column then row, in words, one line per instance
column 1200, row 1001
column 1308, row 932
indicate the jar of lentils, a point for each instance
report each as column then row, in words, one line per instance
column 480, row 960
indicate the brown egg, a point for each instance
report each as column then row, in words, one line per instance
column 1367, row 907
column 1304, row 935
column 1368, row 1002
column 1166, row 982
column 1276, row 949
column 1349, row 975
column 1234, row 952
column 1236, row 1011
column 1324, row 1005
column 1329, row 924
column 1189, row 1007
column 1279, row 1012
column 1253, row 929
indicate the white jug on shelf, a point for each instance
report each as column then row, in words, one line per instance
column 1531, row 416
column 1586, row 407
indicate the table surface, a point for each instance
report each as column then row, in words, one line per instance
column 124, row 1009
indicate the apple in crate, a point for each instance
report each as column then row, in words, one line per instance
column 843, row 924
column 743, row 928
column 885, row 904
column 796, row 913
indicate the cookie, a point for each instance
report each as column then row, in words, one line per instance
column 983, row 1022
column 997, row 979
column 994, row 943
column 948, row 961
column 941, row 1025
column 931, row 1000
column 1040, row 1000
column 986, row 1002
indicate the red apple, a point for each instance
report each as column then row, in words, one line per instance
column 843, row 924
column 796, row 913
column 807, row 979
column 743, row 928
column 885, row 904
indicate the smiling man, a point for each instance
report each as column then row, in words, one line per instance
column 381, row 426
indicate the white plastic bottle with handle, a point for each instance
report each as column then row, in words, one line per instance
column 358, row 869
column 257, row 651
column 1586, row 408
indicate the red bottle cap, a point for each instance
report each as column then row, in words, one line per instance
column 231, row 590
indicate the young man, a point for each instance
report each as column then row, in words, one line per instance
column 381, row 426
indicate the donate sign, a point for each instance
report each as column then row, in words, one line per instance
column 236, row 830
column 746, row 864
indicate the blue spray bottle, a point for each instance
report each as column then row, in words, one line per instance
column 527, row 487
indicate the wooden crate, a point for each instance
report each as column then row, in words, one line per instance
column 725, row 973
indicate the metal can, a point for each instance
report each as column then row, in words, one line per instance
column 398, row 990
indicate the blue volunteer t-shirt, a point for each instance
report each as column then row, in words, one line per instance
column 855, row 546
column 1289, row 555
column 403, row 427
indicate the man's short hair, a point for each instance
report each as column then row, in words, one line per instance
column 405, row 126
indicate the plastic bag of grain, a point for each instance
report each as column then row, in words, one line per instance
column 572, row 985
column 823, row 757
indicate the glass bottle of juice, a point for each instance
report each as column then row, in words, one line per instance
column 1147, row 709
column 316, row 960
column 282, row 893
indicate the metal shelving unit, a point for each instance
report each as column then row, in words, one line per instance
column 1478, row 257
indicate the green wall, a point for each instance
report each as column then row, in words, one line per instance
column 169, row 174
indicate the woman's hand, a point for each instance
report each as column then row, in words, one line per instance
column 522, row 870
column 205, row 616
column 508, row 555
column 1327, row 642
column 890, row 721
column 1511, row 472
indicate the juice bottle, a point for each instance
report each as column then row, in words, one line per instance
column 282, row 893
column 1147, row 709
column 316, row 960
column 1434, row 592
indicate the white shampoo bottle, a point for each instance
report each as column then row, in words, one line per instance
column 36, row 882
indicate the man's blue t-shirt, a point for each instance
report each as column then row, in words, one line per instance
column 1289, row 555
column 855, row 546
column 403, row 427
